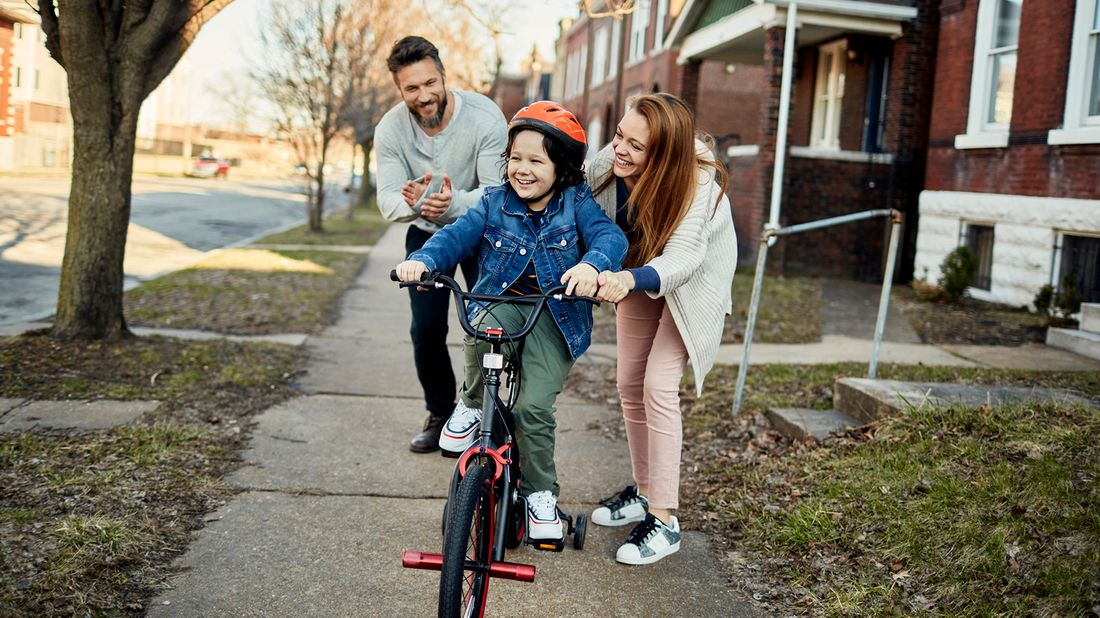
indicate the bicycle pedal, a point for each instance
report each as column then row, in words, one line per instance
column 547, row 544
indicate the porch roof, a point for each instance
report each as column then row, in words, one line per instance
column 733, row 31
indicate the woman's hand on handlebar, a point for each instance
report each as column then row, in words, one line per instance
column 411, row 270
column 580, row 280
column 614, row 286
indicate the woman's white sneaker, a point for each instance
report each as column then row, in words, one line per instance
column 621, row 509
column 650, row 541
column 461, row 429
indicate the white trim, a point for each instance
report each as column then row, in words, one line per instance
column 1077, row 81
column 855, row 156
column 729, row 28
column 977, row 124
column 1076, row 135
column 744, row 150
column 981, row 140
column 855, row 9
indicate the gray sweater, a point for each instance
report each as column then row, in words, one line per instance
column 696, row 266
column 468, row 150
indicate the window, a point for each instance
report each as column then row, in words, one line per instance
column 1082, row 119
column 37, row 79
column 979, row 239
column 659, row 25
column 613, row 51
column 18, row 77
column 828, row 95
column 639, row 23
column 1080, row 265
column 599, row 56
column 994, row 75
column 18, row 31
column 594, row 131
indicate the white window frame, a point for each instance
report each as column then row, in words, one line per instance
column 828, row 95
column 659, row 27
column 595, row 134
column 599, row 56
column 639, row 26
column 613, row 50
column 981, row 133
column 1077, row 126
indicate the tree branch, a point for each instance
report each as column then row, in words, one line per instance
column 48, row 14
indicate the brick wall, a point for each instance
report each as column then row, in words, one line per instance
column 819, row 188
column 1028, row 166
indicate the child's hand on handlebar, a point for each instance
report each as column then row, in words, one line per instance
column 614, row 286
column 411, row 270
column 580, row 280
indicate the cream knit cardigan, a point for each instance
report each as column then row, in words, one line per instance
column 696, row 266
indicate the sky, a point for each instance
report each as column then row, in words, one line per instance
column 231, row 39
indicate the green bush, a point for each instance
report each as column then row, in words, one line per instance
column 957, row 271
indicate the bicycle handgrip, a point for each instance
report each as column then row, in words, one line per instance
column 423, row 276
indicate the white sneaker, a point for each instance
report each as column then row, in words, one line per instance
column 542, row 516
column 619, row 510
column 461, row 429
column 650, row 541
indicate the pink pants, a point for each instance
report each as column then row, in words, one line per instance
column 652, row 358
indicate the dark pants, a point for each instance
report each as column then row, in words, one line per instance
column 430, row 312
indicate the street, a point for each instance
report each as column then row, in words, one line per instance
column 173, row 222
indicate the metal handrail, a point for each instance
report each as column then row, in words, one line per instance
column 769, row 237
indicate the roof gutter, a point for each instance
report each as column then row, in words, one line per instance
column 876, row 10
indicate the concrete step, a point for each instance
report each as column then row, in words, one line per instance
column 1090, row 317
column 869, row 400
column 802, row 424
column 1080, row 342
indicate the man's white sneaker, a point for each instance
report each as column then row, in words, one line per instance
column 650, row 541
column 621, row 509
column 461, row 429
column 542, row 516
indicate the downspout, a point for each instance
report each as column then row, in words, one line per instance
column 784, row 119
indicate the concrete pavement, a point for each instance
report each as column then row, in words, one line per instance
column 331, row 496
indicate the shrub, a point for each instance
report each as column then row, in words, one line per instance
column 957, row 271
column 1069, row 297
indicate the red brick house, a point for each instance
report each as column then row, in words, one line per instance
column 606, row 60
column 860, row 94
column 1014, row 146
column 857, row 134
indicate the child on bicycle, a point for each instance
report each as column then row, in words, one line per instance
column 538, row 229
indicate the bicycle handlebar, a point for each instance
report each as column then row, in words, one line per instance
column 439, row 280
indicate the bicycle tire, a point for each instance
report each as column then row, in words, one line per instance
column 462, row 592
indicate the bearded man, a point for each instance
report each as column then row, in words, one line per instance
column 436, row 151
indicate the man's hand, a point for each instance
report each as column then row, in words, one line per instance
column 410, row 270
column 437, row 203
column 414, row 189
column 580, row 280
column 614, row 286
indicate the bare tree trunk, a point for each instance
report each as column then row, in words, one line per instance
column 366, row 188
column 89, row 304
column 317, row 204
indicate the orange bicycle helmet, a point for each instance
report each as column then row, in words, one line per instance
column 550, row 118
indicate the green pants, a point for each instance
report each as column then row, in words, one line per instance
column 546, row 362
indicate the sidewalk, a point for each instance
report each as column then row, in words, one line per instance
column 331, row 495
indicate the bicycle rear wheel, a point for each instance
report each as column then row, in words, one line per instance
column 467, row 546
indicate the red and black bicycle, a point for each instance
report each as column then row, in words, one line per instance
column 485, row 515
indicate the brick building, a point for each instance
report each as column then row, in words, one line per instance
column 858, row 120
column 606, row 60
column 860, row 94
column 1014, row 146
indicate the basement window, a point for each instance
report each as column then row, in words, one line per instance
column 979, row 239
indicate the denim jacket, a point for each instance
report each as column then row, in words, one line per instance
column 574, row 229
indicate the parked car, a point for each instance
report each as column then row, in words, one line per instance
column 208, row 167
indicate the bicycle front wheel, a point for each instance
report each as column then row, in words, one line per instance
column 467, row 546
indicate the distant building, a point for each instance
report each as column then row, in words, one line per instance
column 1014, row 147
column 37, row 120
column 532, row 83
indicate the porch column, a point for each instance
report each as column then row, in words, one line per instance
column 766, row 138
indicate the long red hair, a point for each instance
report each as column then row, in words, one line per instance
column 666, row 187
